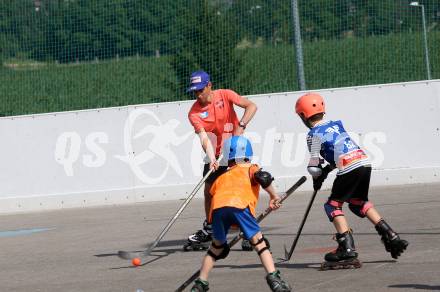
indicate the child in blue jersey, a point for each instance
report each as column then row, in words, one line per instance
column 329, row 140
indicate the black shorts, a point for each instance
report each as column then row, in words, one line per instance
column 352, row 185
column 215, row 174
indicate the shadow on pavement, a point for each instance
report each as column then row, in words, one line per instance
column 416, row 286
column 286, row 265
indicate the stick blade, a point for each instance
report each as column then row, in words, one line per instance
column 286, row 254
column 127, row 255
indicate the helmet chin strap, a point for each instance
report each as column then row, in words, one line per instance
column 306, row 122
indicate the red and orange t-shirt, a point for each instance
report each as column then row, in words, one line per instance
column 218, row 117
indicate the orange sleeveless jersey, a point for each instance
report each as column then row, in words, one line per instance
column 236, row 188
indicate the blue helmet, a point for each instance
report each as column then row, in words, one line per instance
column 237, row 148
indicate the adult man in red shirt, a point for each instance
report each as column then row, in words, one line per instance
column 214, row 120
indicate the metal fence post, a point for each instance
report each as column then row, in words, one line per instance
column 298, row 47
column 425, row 37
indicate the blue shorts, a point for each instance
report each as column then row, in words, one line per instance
column 223, row 218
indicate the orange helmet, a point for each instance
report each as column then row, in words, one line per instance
column 309, row 105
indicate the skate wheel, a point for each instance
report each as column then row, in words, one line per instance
column 355, row 264
column 199, row 248
column 246, row 248
column 191, row 247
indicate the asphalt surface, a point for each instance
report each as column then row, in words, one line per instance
column 75, row 250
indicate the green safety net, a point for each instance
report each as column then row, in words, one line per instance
column 59, row 55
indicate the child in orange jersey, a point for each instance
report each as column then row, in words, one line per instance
column 234, row 199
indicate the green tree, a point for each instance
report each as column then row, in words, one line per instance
column 152, row 22
column 267, row 19
column 87, row 29
column 205, row 38
column 17, row 28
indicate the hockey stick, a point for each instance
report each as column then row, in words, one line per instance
column 288, row 254
column 128, row 255
column 240, row 235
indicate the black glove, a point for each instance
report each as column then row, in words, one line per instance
column 317, row 181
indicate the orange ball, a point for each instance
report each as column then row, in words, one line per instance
column 136, row 262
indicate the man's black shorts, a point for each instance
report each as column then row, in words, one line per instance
column 215, row 174
column 352, row 185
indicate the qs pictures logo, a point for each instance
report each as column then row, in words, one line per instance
column 159, row 138
column 68, row 150
column 149, row 147
column 154, row 150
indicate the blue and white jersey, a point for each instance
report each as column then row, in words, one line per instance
column 329, row 140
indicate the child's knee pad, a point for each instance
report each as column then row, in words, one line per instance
column 359, row 207
column 333, row 208
column 224, row 253
column 261, row 240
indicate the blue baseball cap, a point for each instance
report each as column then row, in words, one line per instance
column 198, row 80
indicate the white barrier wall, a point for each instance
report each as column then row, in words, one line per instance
column 150, row 152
